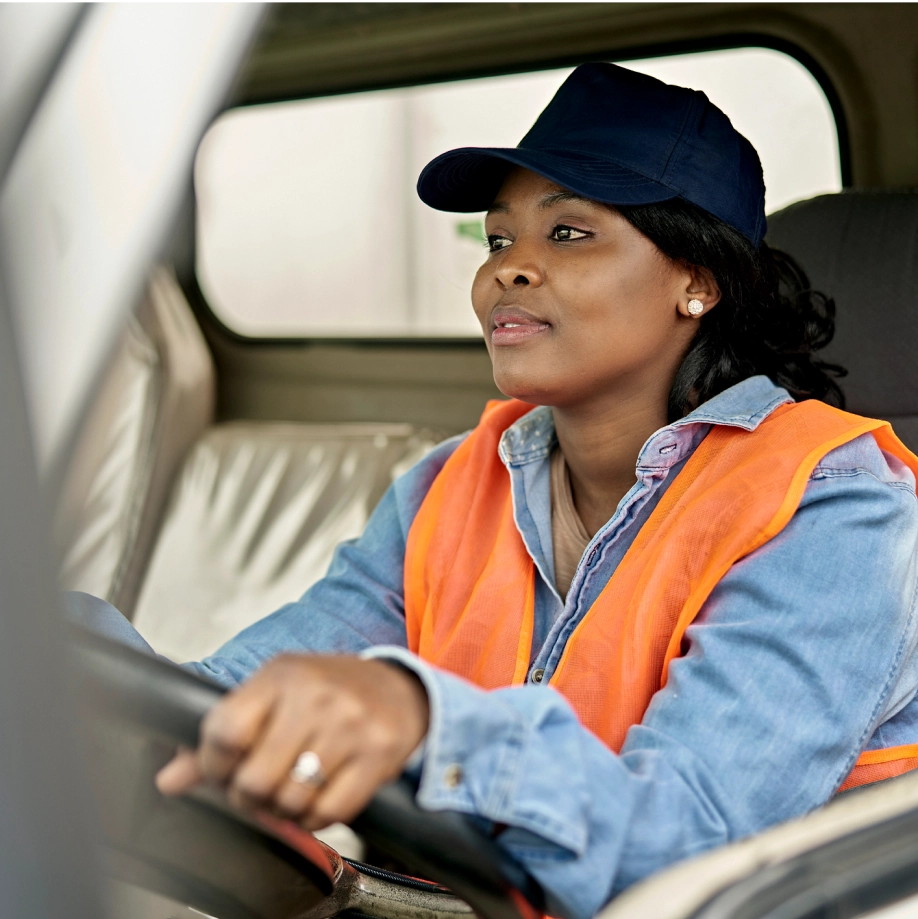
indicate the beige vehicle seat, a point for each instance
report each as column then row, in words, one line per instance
column 253, row 519
column 155, row 400
column 195, row 530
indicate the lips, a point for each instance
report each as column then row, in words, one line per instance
column 513, row 326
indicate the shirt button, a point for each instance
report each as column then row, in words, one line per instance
column 453, row 776
column 537, row 675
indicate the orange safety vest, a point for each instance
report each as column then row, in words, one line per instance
column 470, row 583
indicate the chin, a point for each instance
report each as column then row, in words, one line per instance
column 524, row 388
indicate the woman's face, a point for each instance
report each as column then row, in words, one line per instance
column 575, row 303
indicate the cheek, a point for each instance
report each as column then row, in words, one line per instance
column 601, row 297
column 630, row 307
column 636, row 286
column 480, row 290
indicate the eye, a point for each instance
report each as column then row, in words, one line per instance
column 563, row 233
column 496, row 242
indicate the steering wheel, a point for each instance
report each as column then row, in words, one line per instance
column 199, row 850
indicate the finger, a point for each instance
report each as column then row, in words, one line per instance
column 267, row 767
column 181, row 773
column 345, row 794
column 293, row 798
column 232, row 727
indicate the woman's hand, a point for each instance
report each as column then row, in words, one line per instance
column 362, row 719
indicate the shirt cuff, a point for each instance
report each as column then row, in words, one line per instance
column 475, row 760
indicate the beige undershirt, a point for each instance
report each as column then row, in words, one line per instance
column 569, row 536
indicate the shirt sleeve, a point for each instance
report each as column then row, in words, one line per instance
column 360, row 601
column 800, row 652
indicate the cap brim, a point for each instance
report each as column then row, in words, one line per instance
column 468, row 179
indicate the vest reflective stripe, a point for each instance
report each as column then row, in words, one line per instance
column 469, row 581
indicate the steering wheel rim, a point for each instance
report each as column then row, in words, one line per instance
column 168, row 704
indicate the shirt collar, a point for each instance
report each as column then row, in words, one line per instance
column 744, row 405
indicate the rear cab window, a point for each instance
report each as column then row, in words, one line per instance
column 308, row 225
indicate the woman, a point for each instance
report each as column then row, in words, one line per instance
column 660, row 601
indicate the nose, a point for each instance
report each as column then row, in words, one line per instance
column 518, row 267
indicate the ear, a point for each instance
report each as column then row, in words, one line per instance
column 700, row 285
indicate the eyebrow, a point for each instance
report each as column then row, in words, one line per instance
column 558, row 197
column 547, row 201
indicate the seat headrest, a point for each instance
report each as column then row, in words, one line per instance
column 861, row 248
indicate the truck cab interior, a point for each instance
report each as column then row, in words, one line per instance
column 238, row 430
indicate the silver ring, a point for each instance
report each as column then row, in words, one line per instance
column 307, row 770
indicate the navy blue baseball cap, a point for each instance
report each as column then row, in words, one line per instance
column 620, row 137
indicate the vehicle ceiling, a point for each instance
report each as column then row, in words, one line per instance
column 866, row 50
column 866, row 56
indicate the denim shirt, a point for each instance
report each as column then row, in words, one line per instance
column 803, row 656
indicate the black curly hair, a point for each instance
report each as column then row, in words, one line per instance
column 769, row 320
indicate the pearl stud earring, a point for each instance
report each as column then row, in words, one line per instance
column 695, row 307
